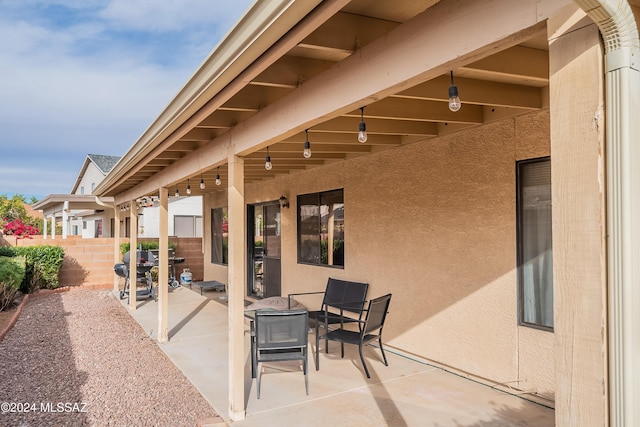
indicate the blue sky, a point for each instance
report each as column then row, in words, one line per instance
column 89, row 76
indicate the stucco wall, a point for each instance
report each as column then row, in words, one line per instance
column 434, row 223
column 91, row 176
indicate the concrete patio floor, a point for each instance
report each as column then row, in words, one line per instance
column 408, row 392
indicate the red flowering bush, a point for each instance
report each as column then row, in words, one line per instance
column 19, row 229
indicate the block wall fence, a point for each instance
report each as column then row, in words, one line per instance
column 89, row 262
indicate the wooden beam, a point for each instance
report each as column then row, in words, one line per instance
column 375, row 126
column 480, row 92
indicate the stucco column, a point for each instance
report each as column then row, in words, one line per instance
column 53, row 226
column 44, row 228
column 163, row 267
column 576, row 89
column 236, row 288
column 65, row 219
column 133, row 259
column 116, row 247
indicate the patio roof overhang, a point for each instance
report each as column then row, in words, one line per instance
column 268, row 81
column 54, row 204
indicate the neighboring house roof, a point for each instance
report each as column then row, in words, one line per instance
column 103, row 162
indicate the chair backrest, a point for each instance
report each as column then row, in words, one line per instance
column 376, row 313
column 350, row 295
column 281, row 330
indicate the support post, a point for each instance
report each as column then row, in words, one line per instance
column 133, row 252
column 163, row 267
column 65, row 219
column 236, row 288
column 116, row 247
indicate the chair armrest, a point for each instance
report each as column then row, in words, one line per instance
column 301, row 293
column 349, row 306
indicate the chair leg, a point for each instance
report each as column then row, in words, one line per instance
column 382, row 351
column 258, row 384
column 364, row 364
column 342, row 350
column 317, row 350
column 306, row 377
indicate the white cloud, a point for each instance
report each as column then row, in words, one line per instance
column 173, row 15
column 89, row 76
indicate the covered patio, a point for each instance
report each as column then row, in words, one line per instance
column 428, row 207
column 408, row 392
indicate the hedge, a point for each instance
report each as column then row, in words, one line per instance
column 11, row 275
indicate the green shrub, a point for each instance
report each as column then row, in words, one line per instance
column 42, row 267
column 146, row 246
column 11, row 276
column 8, row 251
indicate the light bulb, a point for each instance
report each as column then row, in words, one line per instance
column 267, row 163
column 218, row 180
column 454, row 99
column 177, row 192
column 307, row 150
column 362, row 135
column 201, row 183
column 188, row 190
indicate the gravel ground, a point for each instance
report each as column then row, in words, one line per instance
column 78, row 359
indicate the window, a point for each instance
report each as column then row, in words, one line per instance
column 535, row 254
column 219, row 236
column 82, row 190
column 93, row 186
column 187, row 226
column 321, row 228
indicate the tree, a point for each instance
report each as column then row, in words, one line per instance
column 14, row 215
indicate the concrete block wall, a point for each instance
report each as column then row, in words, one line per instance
column 90, row 261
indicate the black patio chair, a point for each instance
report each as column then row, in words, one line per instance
column 339, row 296
column 369, row 329
column 281, row 336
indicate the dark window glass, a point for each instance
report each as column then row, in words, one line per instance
column 219, row 236
column 535, row 252
column 321, row 228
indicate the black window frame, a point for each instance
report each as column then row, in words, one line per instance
column 219, row 235
column 318, row 202
column 520, row 165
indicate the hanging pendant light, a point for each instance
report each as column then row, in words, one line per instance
column 177, row 192
column 201, row 182
column 267, row 161
column 454, row 99
column 307, row 146
column 362, row 134
column 218, row 180
column 188, row 188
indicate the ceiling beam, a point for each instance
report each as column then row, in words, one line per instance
column 346, row 32
column 480, row 92
column 346, row 124
column 517, row 64
column 290, row 71
column 343, row 138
